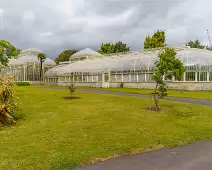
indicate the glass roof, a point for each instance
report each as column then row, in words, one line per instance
column 55, row 71
column 86, row 53
column 30, row 56
column 137, row 61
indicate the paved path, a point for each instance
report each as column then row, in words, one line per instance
column 184, row 100
column 197, row 156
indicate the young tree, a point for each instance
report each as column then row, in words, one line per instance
column 7, row 98
column 167, row 66
column 65, row 56
column 72, row 90
column 156, row 41
column 41, row 58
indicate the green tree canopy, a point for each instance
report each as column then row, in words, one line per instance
column 41, row 56
column 109, row 48
column 195, row 44
column 7, row 51
column 168, row 66
column 65, row 55
column 156, row 41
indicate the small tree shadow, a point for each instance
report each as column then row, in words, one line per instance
column 71, row 98
column 153, row 109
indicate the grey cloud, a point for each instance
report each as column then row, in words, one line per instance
column 78, row 24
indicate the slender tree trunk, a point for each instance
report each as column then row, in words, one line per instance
column 41, row 62
column 156, row 97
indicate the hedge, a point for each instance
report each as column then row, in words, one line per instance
column 22, row 84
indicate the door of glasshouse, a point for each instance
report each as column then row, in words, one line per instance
column 105, row 80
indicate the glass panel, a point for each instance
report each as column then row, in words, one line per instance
column 149, row 77
column 63, row 78
column 80, row 78
column 84, row 78
column 190, row 76
column 141, row 77
column 106, row 77
column 95, row 78
column 76, row 78
column 89, row 78
column 126, row 77
column 119, row 78
column 113, row 78
column 133, row 77
column 202, row 76
column 100, row 78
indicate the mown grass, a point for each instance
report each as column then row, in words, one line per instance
column 62, row 134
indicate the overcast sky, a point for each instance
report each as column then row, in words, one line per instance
column 56, row 25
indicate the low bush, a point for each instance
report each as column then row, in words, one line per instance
column 7, row 101
column 121, row 85
column 22, row 84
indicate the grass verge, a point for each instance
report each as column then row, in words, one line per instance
column 63, row 134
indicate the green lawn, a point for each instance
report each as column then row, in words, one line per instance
column 59, row 134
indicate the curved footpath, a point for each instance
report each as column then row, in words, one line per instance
column 197, row 156
column 184, row 100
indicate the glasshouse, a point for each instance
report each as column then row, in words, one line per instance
column 26, row 67
column 131, row 69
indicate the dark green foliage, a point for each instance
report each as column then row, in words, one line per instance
column 167, row 66
column 7, row 51
column 42, row 56
column 72, row 90
column 105, row 48
column 195, row 44
column 109, row 48
column 156, row 41
column 65, row 55
column 22, row 84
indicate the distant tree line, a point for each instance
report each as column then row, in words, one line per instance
column 106, row 48
column 197, row 44
column 157, row 40
column 65, row 55
column 110, row 48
